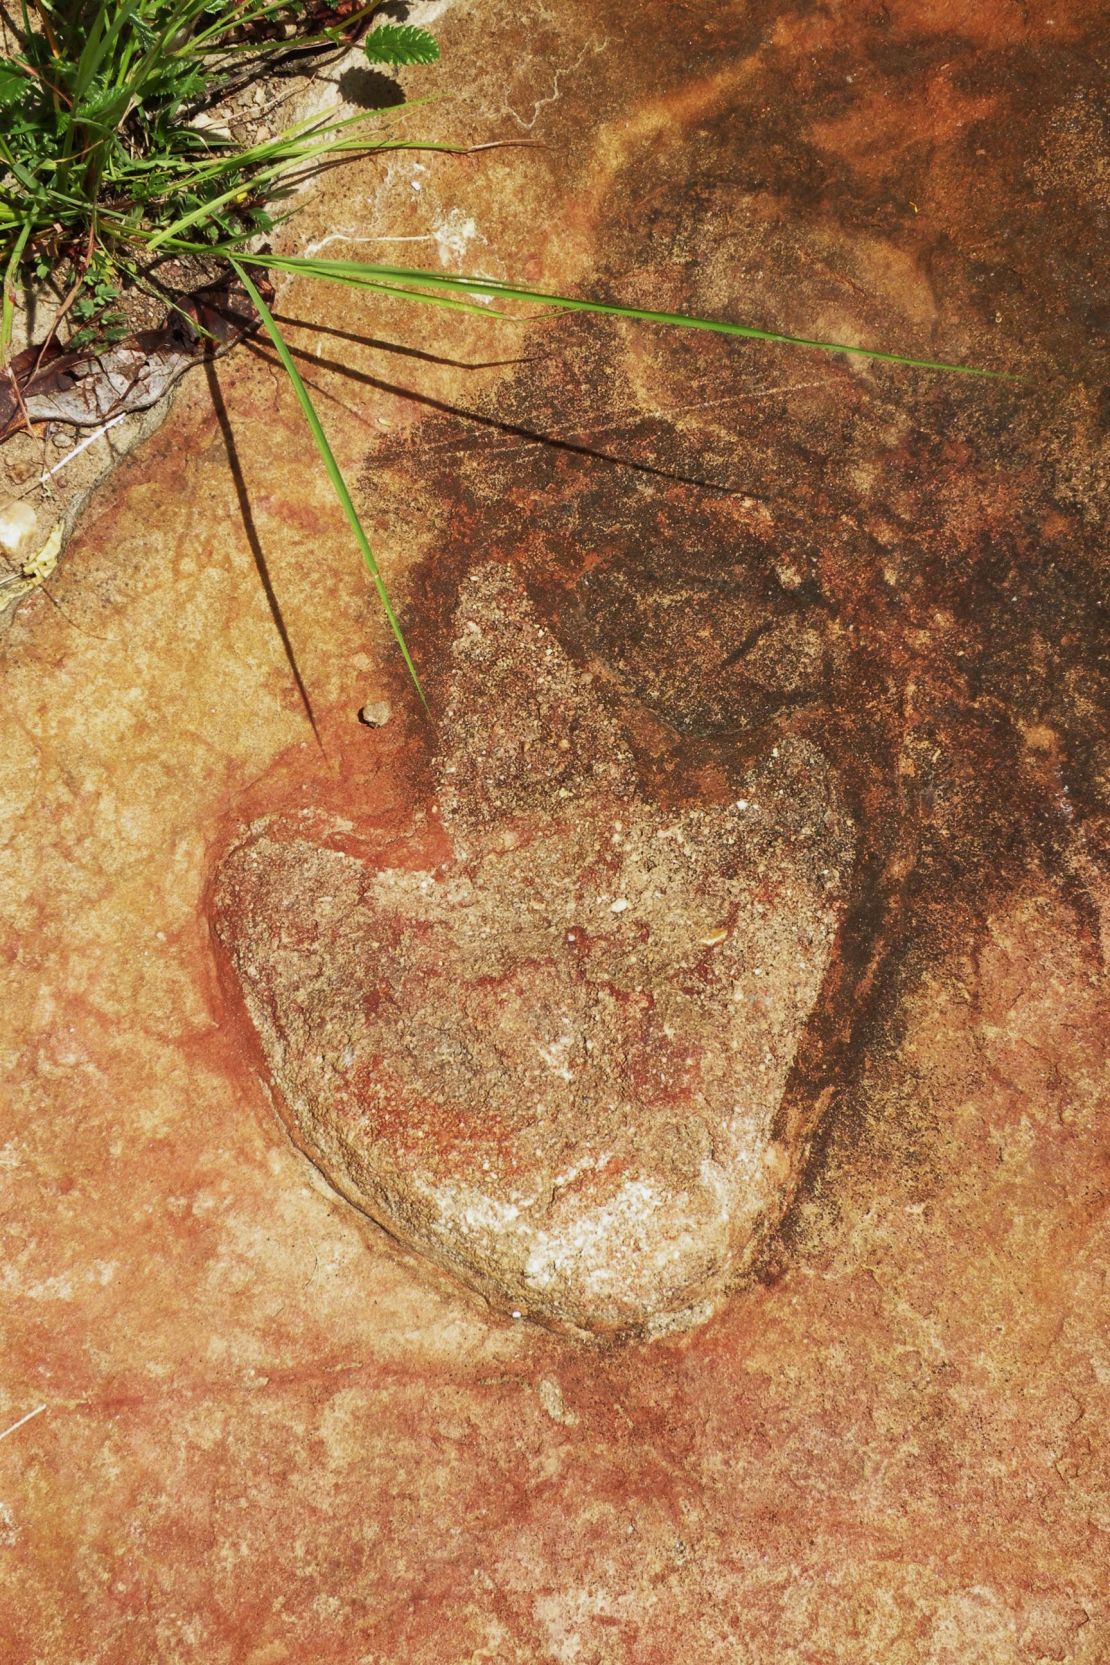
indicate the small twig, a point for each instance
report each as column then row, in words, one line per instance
column 89, row 439
column 36, row 1412
column 19, row 399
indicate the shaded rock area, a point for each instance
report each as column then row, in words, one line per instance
column 545, row 1037
column 271, row 1431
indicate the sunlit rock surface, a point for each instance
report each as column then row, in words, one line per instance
column 272, row 1435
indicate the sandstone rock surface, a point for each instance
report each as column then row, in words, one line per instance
column 271, row 1437
column 544, row 1037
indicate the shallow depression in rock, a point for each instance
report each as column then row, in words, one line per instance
column 545, row 1039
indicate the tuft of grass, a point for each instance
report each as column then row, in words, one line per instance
column 108, row 166
column 106, row 140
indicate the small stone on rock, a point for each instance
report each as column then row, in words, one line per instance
column 17, row 528
column 375, row 714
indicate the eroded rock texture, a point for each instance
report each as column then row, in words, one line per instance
column 546, row 1037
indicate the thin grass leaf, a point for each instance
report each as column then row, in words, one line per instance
column 298, row 268
column 285, row 169
column 290, row 150
column 321, row 127
column 11, row 273
column 91, row 53
column 339, row 485
column 252, row 14
column 566, row 303
column 27, row 180
column 176, row 24
column 363, row 274
column 423, row 299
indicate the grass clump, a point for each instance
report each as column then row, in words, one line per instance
column 106, row 141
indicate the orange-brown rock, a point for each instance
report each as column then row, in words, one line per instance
column 269, row 1434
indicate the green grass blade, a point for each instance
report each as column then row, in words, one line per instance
column 91, row 53
column 11, row 273
column 339, row 485
column 176, row 22
column 300, row 154
column 315, row 129
column 26, row 179
column 296, row 266
column 568, row 303
column 224, row 23
column 280, row 174
column 361, row 274
column 424, row 299
column 251, row 14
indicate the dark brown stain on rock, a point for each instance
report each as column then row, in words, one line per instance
column 751, row 548
column 748, row 542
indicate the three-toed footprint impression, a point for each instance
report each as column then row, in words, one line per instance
column 544, row 1038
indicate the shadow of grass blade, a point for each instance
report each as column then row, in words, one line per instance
column 339, row 485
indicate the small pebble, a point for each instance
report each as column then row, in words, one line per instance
column 17, row 527
column 375, row 714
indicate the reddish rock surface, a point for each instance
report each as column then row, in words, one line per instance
column 544, row 1036
column 272, row 1434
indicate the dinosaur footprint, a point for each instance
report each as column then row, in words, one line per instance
column 545, row 1039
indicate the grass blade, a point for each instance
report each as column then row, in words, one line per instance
column 348, row 269
column 291, row 264
column 251, row 14
column 291, row 151
column 296, row 267
column 339, row 485
column 11, row 275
